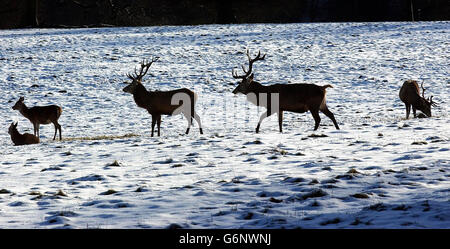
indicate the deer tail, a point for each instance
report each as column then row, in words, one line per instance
column 59, row 111
column 326, row 86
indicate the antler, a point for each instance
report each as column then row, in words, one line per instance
column 430, row 99
column 423, row 90
column 145, row 65
column 250, row 65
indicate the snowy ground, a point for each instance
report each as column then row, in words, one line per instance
column 378, row 171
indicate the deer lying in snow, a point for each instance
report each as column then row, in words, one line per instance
column 21, row 139
column 278, row 98
column 410, row 95
column 40, row 115
column 162, row 102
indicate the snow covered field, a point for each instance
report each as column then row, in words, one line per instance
column 378, row 171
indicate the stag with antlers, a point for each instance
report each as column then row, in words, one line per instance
column 277, row 98
column 410, row 95
column 159, row 103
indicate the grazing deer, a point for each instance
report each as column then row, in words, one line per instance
column 159, row 103
column 40, row 115
column 277, row 98
column 409, row 94
column 21, row 139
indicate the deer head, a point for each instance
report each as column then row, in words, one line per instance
column 426, row 103
column 18, row 104
column 247, row 78
column 12, row 128
column 136, row 79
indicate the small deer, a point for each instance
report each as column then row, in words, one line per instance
column 21, row 139
column 159, row 103
column 40, row 115
column 410, row 95
column 297, row 98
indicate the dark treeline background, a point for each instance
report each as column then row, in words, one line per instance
column 94, row 13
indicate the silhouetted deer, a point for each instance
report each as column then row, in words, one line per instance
column 40, row 115
column 277, row 98
column 21, row 139
column 410, row 95
column 162, row 102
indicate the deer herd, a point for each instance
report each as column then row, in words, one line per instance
column 276, row 98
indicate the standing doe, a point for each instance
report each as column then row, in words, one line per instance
column 277, row 98
column 159, row 103
column 40, row 115
column 21, row 139
column 410, row 95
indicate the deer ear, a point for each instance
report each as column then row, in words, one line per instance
column 21, row 99
column 251, row 77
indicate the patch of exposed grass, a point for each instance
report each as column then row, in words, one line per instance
column 332, row 221
column 419, row 143
column 38, row 195
column 248, row 216
column 317, row 135
column 356, row 222
column 313, row 181
column 294, row 179
column 314, row 194
column 353, row 171
column 4, row 191
column 401, row 208
column 102, row 137
column 361, row 196
column 140, row 189
column 114, row 164
column 60, row 193
column 109, row 192
column 377, row 207
column 274, row 200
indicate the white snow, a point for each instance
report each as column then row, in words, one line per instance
column 229, row 177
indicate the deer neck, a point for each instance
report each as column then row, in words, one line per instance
column 141, row 96
column 416, row 101
column 15, row 134
column 25, row 111
column 256, row 88
column 255, row 92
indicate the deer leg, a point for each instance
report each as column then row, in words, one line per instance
column 316, row 117
column 56, row 129
column 280, row 120
column 189, row 119
column 197, row 118
column 408, row 110
column 414, row 112
column 60, row 135
column 158, row 119
column 153, row 124
column 263, row 116
column 35, row 130
column 331, row 116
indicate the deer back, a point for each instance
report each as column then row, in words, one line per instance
column 45, row 114
column 291, row 97
column 166, row 102
column 409, row 92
